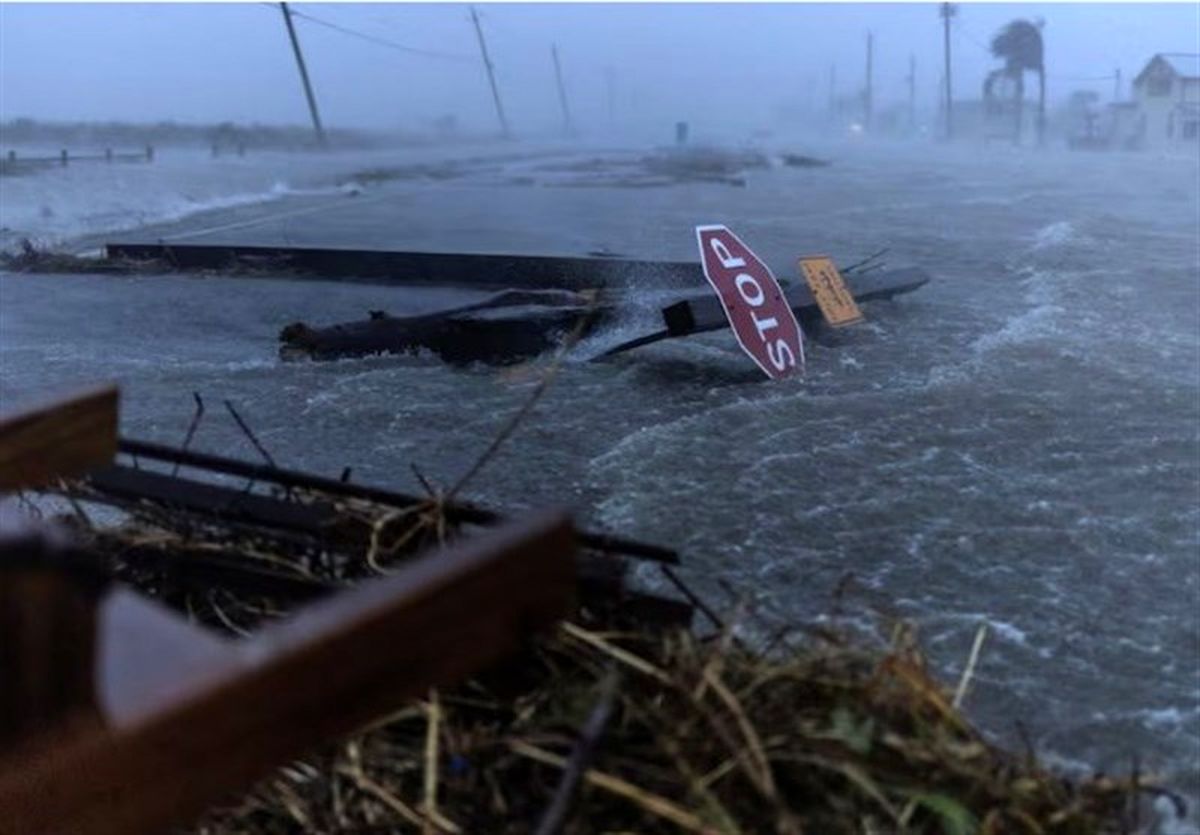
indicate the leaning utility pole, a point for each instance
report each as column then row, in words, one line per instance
column 562, row 93
column 867, row 90
column 308, row 93
column 487, row 63
column 947, row 11
column 912, row 93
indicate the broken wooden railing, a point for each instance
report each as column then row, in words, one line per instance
column 118, row 715
column 13, row 163
column 132, row 719
column 45, row 442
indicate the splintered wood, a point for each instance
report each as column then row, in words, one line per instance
column 61, row 439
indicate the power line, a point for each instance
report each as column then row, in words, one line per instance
column 962, row 30
column 378, row 41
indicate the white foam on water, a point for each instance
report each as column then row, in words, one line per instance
column 1163, row 719
column 56, row 204
column 1055, row 234
column 1040, row 322
column 1002, row 630
column 51, row 213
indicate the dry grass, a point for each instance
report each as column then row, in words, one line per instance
column 706, row 737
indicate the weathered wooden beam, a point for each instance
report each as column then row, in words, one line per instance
column 47, row 632
column 347, row 660
column 416, row 268
column 457, row 511
column 704, row 312
column 63, row 438
column 212, row 501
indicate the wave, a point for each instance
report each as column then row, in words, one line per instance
column 54, row 207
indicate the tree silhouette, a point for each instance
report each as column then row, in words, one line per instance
column 1019, row 45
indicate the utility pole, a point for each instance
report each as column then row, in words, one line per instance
column 867, row 91
column 487, row 63
column 948, row 11
column 912, row 93
column 562, row 93
column 1117, row 84
column 308, row 93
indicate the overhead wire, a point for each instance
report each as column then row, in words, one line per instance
column 378, row 41
column 960, row 29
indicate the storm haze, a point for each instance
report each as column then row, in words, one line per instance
column 727, row 69
column 994, row 440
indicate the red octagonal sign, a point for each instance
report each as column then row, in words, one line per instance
column 754, row 303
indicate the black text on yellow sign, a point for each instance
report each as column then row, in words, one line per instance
column 830, row 291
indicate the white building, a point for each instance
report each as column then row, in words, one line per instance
column 1167, row 97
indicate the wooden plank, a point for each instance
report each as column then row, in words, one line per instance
column 47, row 629
column 213, row 500
column 321, row 675
column 704, row 313
column 148, row 657
column 47, row 633
column 455, row 511
column 63, row 438
column 499, row 270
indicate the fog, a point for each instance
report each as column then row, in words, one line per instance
column 727, row 69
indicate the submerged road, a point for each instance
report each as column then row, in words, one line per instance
column 1014, row 445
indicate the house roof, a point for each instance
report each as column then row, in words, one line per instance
column 1182, row 64
column 1185, row 65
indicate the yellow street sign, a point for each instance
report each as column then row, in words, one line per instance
column 830, row 291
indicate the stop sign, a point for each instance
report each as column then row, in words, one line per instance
column 754, row 303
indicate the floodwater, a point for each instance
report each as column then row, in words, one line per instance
column 1014, row 445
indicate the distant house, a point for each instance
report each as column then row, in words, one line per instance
column 1167, row 95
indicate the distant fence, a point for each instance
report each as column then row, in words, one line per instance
column 12, row 163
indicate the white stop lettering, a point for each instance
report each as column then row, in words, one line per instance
column 757, row 297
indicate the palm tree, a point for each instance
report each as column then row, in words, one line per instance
column 1019, row 45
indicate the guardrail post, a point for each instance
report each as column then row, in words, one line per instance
column 63, row 156
column 48, row 640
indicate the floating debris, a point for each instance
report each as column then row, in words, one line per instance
column 802, row 161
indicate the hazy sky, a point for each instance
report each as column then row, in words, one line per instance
column 706, row 63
